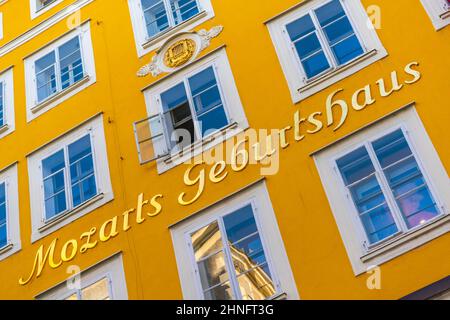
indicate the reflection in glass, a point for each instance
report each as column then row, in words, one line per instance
column 97, row 291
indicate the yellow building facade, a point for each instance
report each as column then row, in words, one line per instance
column 316, row 166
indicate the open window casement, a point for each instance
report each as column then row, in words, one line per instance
column 150, row 139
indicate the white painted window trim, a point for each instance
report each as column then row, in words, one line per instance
column 231, row 102
column 300, row 87
column 35, row 109
column 111, row 268
column 344, row 211
column 267, row 227
column 9, row 177
column 1, row 25
column 7, row 80
column 439, row 12
column 105, row 193
column 145, row 45
column 35, row 12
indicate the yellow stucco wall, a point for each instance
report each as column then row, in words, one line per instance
column 316, row 252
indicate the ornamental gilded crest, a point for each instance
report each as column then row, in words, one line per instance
column 179, row 50
column 179, row 53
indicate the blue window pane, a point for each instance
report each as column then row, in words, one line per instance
column 174, row 97
column 2, row 194
column 379, row 224
column 300, row 27
column 240, row 224
column 183, row 9
column 315, row 64
column 46, row 76
column 391, row 148
column 418, row 207
column 207, row 101
column 55, row 205
column 54, row 184
column 155, row 16
column 347, row 50
column 355, row 166
column 367, row 194
column 3, row 226
column 330, row 12
column 71, row 65
column 3, row 235
column 2, row 104
column 82, row 170
column 307, row 46
column 213, row 120
column 338, row 30
column 53, row 164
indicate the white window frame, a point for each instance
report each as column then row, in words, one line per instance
column 268, row 229
column 41, row 227
column 110, row 268
column 362, row 257
column 34, row 108
column 7, row 80
column 9, row 177
column 301, row 87
column 439, row 12
column 1, row 25
column 231, row 104
column 145, row 45
column 36, row 12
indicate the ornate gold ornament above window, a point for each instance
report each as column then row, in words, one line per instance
column 179, row 50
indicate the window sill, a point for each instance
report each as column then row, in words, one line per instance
column 315, row 81
column 281, row 296
column 4, row 128
column 171, row 31
column 6, row 249
column 54, row 221
column 406, row 237
column 199, row 144
column 445, row 15
column 60, row 94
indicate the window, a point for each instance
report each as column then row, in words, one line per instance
column 72, row 177
column 233, row 251
column 59, row 71
column 39, row 7
column 99, row 290
column 9, row 212
column 394, row 190
column 199, row 102
column 162, row 14
column 104, row 281
column 7, row 124
column 321, row 42
column 69, row 180
column 154, row 18
column 439, row 12
column 387, row 169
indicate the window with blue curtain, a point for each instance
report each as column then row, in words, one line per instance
column 68, row 177
column 194, row 105
column 231, row 260
column 160, row 15
column 2, row 104
column 3, row 216
column 387, row 169
column 324, row 39
column 59, row 69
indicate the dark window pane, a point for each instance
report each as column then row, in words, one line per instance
column 347, row 50
column 418, row 207
column 307, row 46
column 379, row 224
column 315, row 64
column 330, row 12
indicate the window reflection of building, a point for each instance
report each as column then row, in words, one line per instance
column 97, row 291
column 243, row 253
